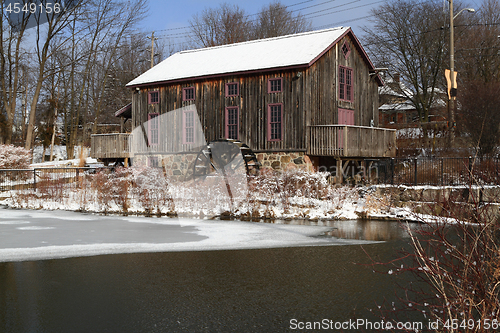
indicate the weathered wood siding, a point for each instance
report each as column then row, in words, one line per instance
column 351, row 141
column 309, row 97
column 253, row 101
column 323, row 89
column 115, row 145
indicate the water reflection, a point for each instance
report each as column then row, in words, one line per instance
column 211, row 291
column 359, row 229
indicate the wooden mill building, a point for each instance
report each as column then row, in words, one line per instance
column 307, row 100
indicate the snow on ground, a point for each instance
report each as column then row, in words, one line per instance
column 38, row 235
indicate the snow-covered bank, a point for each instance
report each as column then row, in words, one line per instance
column 290, row 195
column 37, row 235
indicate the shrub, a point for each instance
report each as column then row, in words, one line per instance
column 12, row 157
column 458, row 263
column 151, row 189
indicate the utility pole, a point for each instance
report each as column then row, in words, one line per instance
column 452, row 78
column 152, row 48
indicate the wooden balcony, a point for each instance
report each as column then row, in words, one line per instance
column 110, row 146
column 351, row 141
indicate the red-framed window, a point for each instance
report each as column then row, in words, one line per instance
column 188, row 94
column 346, row 50
column 153, row 97
column 153, row 129
column 345, row 84
column 274, row 122
column 232, row 122
column 232, row 89
column 275, row 85
column 188, row 121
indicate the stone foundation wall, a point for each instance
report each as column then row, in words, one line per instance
column 177, row 166
column 283, row 161
column 180, row 166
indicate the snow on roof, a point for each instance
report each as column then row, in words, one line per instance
column 390, row 84
column 405, row 106
column 291, row 50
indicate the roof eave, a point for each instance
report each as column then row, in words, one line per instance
column 211, row 76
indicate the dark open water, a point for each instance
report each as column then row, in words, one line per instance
column 257, row 290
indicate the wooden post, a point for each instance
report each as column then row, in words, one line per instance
column 415, row 180
column 345, row 141
column 363, row 169
column 338, row 172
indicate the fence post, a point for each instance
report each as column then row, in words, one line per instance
column 34, row 179
column 392, row 171
column 470, row 170
column 442, row 171
column 415, row 180
column 77, row 180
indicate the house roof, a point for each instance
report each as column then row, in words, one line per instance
column 298, row 50
column 125, row 112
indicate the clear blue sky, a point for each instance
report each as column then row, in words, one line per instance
column 170, row 19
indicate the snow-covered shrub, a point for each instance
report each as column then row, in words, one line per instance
column 113, row 186
column 12, row 157
column 376, row 204
column 152, row 189
column 51, row 187
column 291, row 183
column 102, row 186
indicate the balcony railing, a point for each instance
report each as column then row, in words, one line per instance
column 351, row 141
column 116, row 145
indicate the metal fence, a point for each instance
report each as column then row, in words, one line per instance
column 42, row 178
column 396, row 171
column 442, row 171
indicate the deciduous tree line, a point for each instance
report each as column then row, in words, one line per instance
column 77, row 63
column 74, row 67
column 411, row 38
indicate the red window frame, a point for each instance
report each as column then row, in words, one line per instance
column 231, row 93
column 188, row 132
column 187, row 92
column 345, row 84
column 153, row 97
column 271, row 88
column 232, row 120
column 153, row 129
column 275, row 122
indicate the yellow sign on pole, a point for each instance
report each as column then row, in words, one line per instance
column 452, row 89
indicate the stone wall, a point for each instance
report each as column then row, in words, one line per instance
column 177, row 166
column 283, row 161
column 180, row 166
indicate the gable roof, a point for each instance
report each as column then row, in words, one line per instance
column 298, row 50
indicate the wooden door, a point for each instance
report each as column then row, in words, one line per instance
column 346, row 117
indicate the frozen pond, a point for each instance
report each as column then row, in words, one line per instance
column 183, row 275
column 38, row 234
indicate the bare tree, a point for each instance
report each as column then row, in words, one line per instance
column 477, row 49
column 407, row 37
column 229, row 24
column 226, row 24
column 479, row 114
column 45, row 34
column 10, row 67
column 276, row 20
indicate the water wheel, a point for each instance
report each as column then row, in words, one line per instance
column 225, row 155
